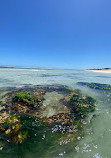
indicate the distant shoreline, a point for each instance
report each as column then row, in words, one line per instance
column 9, row 67
column 20, row 69
column 105, row 70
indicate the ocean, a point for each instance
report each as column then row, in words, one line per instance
column 95, row 141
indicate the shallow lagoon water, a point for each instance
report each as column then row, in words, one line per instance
column 95, row 141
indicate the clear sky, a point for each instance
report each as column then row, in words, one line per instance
column 74, row 34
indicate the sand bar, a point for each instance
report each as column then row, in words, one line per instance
column 101, row 71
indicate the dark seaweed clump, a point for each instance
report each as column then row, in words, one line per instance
column 82, row 105
column 96, row 85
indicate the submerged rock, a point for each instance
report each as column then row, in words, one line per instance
column 11, row 129
column 98, row 86
column 27, row 98
column 63, row 118
column 80, row 104
column 31, row 110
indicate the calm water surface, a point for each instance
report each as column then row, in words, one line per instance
column 95, row 142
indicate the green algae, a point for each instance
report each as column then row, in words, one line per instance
column 81, row 105
column 24, row 97
column 11, row 129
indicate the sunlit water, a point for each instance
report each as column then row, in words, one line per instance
column 95, row 143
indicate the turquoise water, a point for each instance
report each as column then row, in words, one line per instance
column 95, row 142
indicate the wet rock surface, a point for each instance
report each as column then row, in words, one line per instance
column 63, row 118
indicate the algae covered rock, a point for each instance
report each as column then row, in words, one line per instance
column 20, row 137
column 98, row 86
column 26, row 98
column 63, row 118
column 11, row 129
column 30, row 111
column 64, row 123
column 80, row 104
column 26, row 101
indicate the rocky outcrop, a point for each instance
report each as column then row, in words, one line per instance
column 57, row 108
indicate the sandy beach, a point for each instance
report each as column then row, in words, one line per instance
column 101, row 71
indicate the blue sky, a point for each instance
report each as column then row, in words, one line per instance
column 74, row 34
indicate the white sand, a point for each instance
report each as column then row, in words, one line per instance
column 101, row 71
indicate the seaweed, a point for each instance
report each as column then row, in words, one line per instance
column 26, row 97
column 98, row 86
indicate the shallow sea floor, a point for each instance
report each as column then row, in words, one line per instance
column 94, row 142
